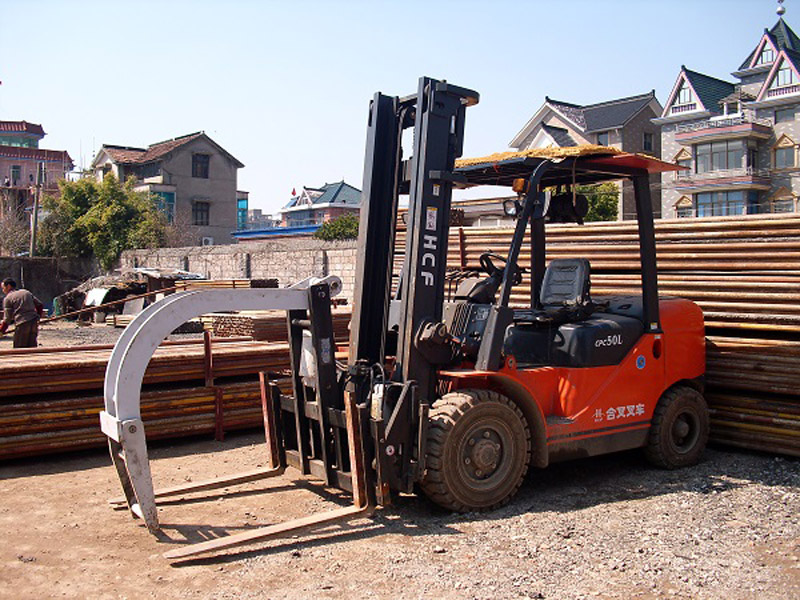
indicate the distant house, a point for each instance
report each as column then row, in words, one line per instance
column 305, row 212
column 314, row 206
column 20, row 157
column 738, row 140
column 624, row 123
column 193, row 177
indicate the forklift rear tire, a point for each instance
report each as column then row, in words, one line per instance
column 679, row 430
column 478, row 451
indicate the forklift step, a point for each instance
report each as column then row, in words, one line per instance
column 555, row 420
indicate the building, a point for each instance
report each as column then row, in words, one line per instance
column 314, row 206
column 192, row 176
column 737, row 139
column 20, row 157
column 256, row 219
column 625, row 123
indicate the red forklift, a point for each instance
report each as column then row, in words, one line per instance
column 460, row 398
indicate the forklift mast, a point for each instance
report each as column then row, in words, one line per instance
column 437, row 113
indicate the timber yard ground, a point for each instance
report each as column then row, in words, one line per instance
column 607, row 527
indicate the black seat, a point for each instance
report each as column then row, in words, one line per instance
column 564, row 296
column 565, row 284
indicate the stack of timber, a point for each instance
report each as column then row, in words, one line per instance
column 198, row 284
column 51, row 398
column 744, row 272
column 264, row 325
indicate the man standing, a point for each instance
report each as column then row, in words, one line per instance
column 23, row 309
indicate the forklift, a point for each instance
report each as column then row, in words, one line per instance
column 454, row 398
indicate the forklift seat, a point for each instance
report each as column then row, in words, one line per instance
column 565, row 284
column 564, row 296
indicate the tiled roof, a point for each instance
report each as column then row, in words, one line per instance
column 602, row 115
column 330, row 193
column 709, row 89
column 560, row 135
column 615, row 113
column 782, row 37
column 128, row 155
column 573, row 112
column 36, row 154
column 21, row 127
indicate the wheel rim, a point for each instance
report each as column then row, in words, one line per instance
column 685, row 431
column 483, row 455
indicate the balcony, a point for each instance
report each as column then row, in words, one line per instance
column 744, row 178
column 784, row 90
column 741, row 126
column 682, row 108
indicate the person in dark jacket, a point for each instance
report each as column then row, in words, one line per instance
column 24, row 310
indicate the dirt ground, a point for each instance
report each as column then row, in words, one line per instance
column 608, row 527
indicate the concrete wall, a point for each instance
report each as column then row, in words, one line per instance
column 47, row 278
column 288, row 260
column 219, row 190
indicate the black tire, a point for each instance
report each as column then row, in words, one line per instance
column 478, row 451
column 679, row 430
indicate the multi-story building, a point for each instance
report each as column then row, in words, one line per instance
column 314, row 206
column 192, row 176
column 20, row 160
column 737, row 140
column 625, row 123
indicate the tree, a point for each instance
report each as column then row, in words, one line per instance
column 602, row 201
column 344, row 227
column 100, row 220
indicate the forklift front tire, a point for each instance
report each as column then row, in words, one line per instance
column 679, row 429
column 478, row 451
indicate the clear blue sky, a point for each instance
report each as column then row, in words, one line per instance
column 284, row 86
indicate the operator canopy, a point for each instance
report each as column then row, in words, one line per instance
column 584, row 164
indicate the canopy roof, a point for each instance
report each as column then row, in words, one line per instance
column 574, row 164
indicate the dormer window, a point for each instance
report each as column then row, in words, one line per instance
column 766, row 57
column 785, row 76
column 684, row 94
column 731, row 108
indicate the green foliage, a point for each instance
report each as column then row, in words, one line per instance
column 340, row 228
column 101, row 220
column 602, row 201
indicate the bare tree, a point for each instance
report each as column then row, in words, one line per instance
column 15, row 231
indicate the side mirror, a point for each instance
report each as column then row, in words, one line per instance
column 512, row 207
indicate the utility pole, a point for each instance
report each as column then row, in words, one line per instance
column 35, row 214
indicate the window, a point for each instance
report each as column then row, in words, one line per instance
column 647, row 142
column 784, row 115
column 602, row 138
column 719, row 156
column 16, row 174
column 684, row 94
column 241, row 213
column 718, row 204
column 784, row 77
column 767, row 56
column 200, row 213
column 200, row 165
column 782, row 201
column 165, row 202
column 731, row 108
column 784, row 157
column 684, row 208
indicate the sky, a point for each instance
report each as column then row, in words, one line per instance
column 285, row 86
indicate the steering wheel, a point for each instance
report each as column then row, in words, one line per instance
column 492, row 270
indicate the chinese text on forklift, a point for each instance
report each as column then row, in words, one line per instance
column 460, row 397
